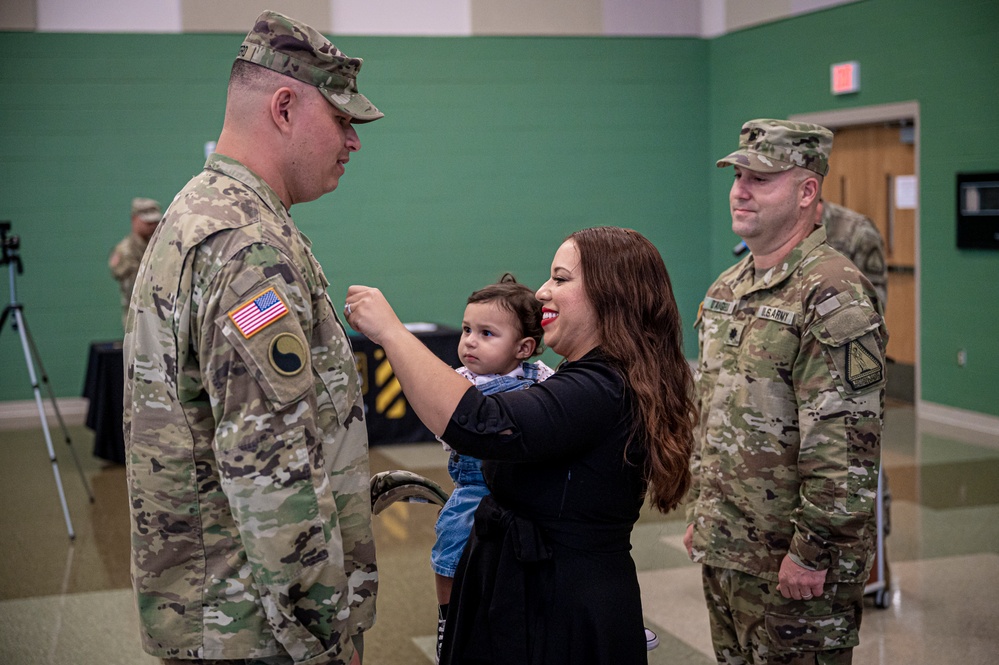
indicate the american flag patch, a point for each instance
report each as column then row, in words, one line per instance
column 254, row 316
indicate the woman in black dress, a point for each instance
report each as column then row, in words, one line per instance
column 547, row 577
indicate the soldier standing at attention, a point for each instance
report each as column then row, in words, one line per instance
column 790, row 384
column 126, row 255
column 244, row 426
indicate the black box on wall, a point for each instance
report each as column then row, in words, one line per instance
column 978, row 210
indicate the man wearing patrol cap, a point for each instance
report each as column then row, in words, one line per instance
column 126, row 255
column 790, row 385
column 245, row 439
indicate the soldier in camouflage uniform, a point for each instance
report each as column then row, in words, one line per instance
column 790, row 384
column 858, row 239
column 127, row 254
column 244, row 427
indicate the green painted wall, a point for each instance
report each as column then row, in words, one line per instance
column 491, row 152
column 945, row 56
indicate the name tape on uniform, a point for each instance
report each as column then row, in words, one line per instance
column 775, row 314
column 722, row 306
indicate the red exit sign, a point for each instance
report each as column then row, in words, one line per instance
column 845, row 77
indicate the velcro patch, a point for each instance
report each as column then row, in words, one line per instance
column 862, row 367
column 259, row 312
column 830, row 304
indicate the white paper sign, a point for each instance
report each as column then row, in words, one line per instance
column 906, row 192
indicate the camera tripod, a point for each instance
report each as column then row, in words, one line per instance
column 9, row 256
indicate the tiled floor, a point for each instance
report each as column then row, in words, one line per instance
column 69, row 603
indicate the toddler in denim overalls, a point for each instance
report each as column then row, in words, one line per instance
column 501, row 329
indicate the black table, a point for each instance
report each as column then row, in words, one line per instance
column 389, row 417
column 104, row 386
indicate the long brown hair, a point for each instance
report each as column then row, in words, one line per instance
column 626, row 281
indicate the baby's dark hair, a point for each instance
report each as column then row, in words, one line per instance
column 520, row 301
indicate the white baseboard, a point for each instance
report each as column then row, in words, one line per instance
column 960, row 424
column 22, row 414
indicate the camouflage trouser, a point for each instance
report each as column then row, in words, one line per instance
column 752, row 624
column 358, row 641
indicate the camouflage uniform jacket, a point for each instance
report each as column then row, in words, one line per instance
column 245, row 437
column 124, row 264
column 790, row 383
column 858, row 239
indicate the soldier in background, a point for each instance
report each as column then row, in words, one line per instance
column 858, row 239
column 790, row 384
column 126, row 255
column 244, row 426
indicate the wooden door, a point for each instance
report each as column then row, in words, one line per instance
column 867, row 162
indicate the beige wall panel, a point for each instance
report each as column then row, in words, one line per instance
column 665, row 18
column 712, row 18
column 99, row 16
column 534, row 17
column 441, row 18
column 19, row 15
column 706, row 18
column 805, row 6
column 237, row 15
column 741, row 14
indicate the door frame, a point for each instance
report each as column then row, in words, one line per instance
column 866, row 115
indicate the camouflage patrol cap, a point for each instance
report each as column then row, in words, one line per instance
column 147, row 210
column 772, row 146
column 294, row 49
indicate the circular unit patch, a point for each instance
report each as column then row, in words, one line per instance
column 286, row 354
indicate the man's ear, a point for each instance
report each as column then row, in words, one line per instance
column 809, row 191
column 282, row 104
column 526, row 348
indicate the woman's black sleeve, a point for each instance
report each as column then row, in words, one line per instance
column 570, row 412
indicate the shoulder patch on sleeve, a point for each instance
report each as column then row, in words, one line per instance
column 259, row 312
column 863, row 368
column 286, row 354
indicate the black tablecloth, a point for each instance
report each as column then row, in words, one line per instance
column 103, row 386
column 390, row 419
